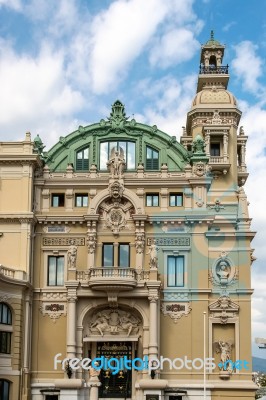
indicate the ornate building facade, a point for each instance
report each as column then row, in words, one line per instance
column 122, row 242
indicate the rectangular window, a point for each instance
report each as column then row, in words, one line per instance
column 5, row 342
column 175, row 271
column 56, row 266
column 108, row 255
column 82, row 160
column 152, row 158
column 81, row 200
column 152, row 200
column 176, row 199
column 58, row 200
column 123, row 255
column 4, row 389
column 128, row 149
column 215, row 149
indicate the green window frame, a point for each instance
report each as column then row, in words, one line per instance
column 82, row 159
column 175, row 271
column 81, row 200
column 55, row 271
column 152, row 200
column 152, row 158
column 176, row 199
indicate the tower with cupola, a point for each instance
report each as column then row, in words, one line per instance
column 214, row 114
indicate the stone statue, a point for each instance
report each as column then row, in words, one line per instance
column 225, row 350
column 116, row 163
column 91, row 242
column 139, row 242
column 153, row 256
column 72, row 255
column 93, row 372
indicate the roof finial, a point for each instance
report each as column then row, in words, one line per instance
column 212, row 35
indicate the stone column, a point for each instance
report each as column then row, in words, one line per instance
column 94, row 384
column 243, row 154
column 27, row 348
column 91, row 243
column 225, row 144
column 164, row 199
column 139, row 244
column 153, row 344
column 71, row 318
column 207, row 143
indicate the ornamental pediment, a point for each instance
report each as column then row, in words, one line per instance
column 224, row 308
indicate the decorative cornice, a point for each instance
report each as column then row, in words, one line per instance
column 27, row 218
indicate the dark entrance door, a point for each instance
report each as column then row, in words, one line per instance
column 117, row 385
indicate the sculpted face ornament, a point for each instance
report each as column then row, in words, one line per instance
column 116, row 191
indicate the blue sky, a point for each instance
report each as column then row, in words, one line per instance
column 63, row 63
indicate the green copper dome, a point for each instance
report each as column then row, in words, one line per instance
column 212, row 41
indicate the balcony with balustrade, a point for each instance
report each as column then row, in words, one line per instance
column 12, row 274
column 219, row 164
column 106, row 278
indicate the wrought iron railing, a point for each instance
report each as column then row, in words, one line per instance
column 214, row 70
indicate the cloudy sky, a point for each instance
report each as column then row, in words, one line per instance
column 64, row 62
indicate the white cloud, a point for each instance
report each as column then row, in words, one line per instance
column 247, row 66
column 228, row 26
column 13, row 4
column 174, row 47
column 118, row 36
column 163, row 105
column 121, row 33
column 254, row 124
column 34, row 92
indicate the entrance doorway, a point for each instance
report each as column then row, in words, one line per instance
column 115, row 385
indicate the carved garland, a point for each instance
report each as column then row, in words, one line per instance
column 53, row 310
column 176, row 310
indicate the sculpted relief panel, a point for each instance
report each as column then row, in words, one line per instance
column 116, row 210
column 114, row 322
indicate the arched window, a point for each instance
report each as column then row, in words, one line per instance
column 152, row 158
column 213, row 62
column 82, row 160
column 5, row 329
column 4, row 389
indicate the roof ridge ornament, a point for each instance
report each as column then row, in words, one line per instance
column 118, row 115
